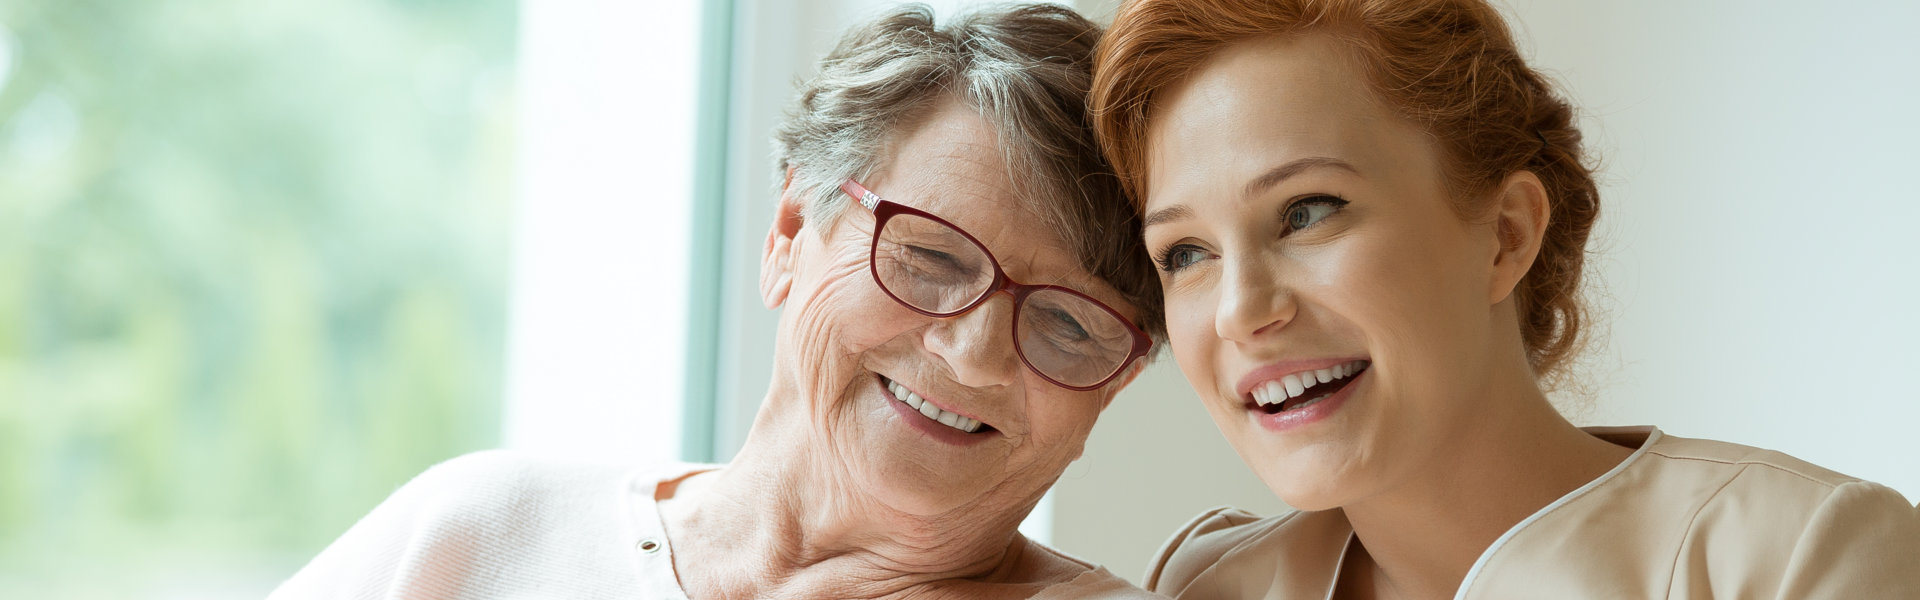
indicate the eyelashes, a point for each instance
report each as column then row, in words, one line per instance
column 1300, row 214
column 1177, row 257
column 1309, row 211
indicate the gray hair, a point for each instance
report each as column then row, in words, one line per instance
column 1026, row 69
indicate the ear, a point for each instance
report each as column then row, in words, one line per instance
column 1520, row 226
column 777, row 256
column 1121, row 382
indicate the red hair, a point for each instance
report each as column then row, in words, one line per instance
column 1449, row 66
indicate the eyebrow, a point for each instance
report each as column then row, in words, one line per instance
column 1169, row 214
column 1272, row 177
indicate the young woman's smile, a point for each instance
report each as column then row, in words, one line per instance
column 1291, row 394
column 1302, row 228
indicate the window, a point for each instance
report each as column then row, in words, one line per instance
column 253, row 274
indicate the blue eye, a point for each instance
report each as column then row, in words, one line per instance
column 1308, row 211
column 1180, row 257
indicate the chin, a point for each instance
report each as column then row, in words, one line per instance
column 1307, row 500
column 908, row 487
column 1306, row 486
column 927, row 499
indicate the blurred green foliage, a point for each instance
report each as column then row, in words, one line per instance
column 252, row 266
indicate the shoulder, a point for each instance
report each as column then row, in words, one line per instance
column 1765, row 486
column 1745, row 461
column 482, row 521
column 505, row 493
column 1096, row 582
column 504, row 482
column 1209, row 537
column 1071, row 576
column 1704, row 518
column 1751, row 515
column 510, row 467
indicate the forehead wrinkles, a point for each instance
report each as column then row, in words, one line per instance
column 969, row 186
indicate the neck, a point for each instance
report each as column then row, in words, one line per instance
column 784, row 519
column 1422, row 536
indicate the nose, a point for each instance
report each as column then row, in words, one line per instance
column 978, row 344
column 1253, row 301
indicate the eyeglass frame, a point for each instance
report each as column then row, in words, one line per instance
column 885, row 210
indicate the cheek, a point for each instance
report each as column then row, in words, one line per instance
column 837, row 313
column 1364, row 281
column 1412, row 298
column 1190, row 327
column 1061, row 419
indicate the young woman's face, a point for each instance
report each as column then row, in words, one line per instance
column 1333, row 311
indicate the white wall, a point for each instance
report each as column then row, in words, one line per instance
column 1757, row 241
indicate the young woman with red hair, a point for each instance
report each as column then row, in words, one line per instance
column 1370, row 219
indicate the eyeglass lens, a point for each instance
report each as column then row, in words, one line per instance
column 930, row 266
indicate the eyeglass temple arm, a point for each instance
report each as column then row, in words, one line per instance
column 866, row 197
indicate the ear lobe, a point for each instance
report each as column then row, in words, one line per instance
column 1519, row 228
column 777, row 255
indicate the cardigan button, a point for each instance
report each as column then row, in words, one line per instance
column 649, row 545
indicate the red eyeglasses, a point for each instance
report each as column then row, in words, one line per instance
column 939, row 270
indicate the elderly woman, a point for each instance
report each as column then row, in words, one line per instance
column 963, row 291
column 1370, row 219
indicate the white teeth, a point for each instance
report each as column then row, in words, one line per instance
column 1295, row 385
column 928, row 410
column 1270, row 393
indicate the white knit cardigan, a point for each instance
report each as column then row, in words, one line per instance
column 496, row 525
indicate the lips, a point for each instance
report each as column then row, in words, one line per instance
column 953, row 420
column 1305, row 388
column 1286, row 396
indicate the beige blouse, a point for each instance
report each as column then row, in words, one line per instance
column 1680, row 518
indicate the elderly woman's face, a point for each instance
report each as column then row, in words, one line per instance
column 1335, row 315
column 854, row 350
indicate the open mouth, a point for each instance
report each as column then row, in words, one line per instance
column 901, row 394
column 1304, row 389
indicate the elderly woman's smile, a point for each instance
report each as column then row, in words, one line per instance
column 956, row 412
column 933, row 411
